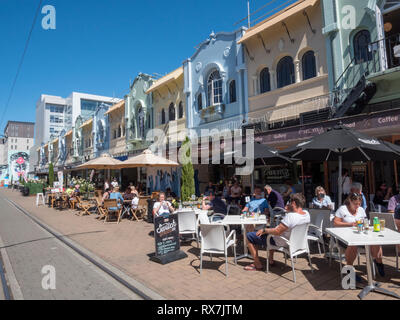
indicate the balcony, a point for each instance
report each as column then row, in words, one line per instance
column 211, row 112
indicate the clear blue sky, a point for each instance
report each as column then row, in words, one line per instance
column 100, row 45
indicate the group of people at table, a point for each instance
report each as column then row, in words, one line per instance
column 346, row 215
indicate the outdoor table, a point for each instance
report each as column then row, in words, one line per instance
column 237, row 220
column 351, row 237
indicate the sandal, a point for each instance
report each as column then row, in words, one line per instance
column 252, row 267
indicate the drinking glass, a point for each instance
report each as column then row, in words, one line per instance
column 382, row 223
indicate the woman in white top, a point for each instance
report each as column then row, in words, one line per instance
column 135, row 201
column 162, row 207
column 347, row 216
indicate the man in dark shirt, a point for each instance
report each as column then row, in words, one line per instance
column 274, row 198
column 216, row 204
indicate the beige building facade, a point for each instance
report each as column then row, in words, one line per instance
column 116, row 120
column 287, row 67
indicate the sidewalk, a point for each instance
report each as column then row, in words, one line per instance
column 128, row 244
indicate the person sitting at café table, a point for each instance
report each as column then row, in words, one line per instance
column 128, row 195
column 106, row 195
column 162, row 207
column 356, row 187
column 77, row 191
column 295, row 216
column 258, row 203
column 274, row 198
column 116, row 195
column 70, row 190
column 236, row 192
column 347, row 216
column 290, row 189
column 215, row 204
column 394, row 207
column 321, row 199
column 210, row 188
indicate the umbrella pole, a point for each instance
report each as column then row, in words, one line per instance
column 302, row 178
column 340, row 191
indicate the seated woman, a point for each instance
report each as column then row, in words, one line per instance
column 295, row 216
column 116, row 195
column 322, row 200
column 106, row 195
column 128, row 195
column 347, row 216
column 162, row 207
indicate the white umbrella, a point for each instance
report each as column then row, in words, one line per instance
column 148, row 159
column 103, row 162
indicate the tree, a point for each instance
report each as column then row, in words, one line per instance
column 51, row 175
column 187, row 187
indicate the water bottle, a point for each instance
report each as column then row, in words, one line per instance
column 377, row 225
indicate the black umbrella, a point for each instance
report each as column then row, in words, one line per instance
column 343, row 144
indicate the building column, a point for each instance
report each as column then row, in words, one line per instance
column 273, row 81
column 297, row 70
column 317, row 64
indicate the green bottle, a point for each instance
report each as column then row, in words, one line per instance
column 377, row 225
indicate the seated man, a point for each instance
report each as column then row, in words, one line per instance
column 116, row 195
column 70, row 190
column 295, row 216
column 274, row 198
column 258, row 203
column 215, row 204
column 393, row 203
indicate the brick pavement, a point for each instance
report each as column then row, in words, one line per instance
column 127, row 246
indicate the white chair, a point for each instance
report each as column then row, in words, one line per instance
column 375, row 207
column 295, row 246
column 233, row 209
column 187, row 223
column 38, row 197
column 315, row 232
column 201, row 219
column 215, row 241
column 390, row 224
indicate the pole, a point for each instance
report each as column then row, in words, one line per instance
column 340, row 191
column 248, row 13
column 302, row 178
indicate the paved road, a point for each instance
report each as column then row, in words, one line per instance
column 30, row 248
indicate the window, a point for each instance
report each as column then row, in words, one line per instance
column 214, row 88
column 232, row 91
column 265, row 81
column 115, row 134
column 148, row 121
column 199, row 101
column 309, row 65
column 162, row 116
column 361, row 41
column 119, row 132
column 285, row 72
column 180, row 112
column 171, row 112
column 27, row 148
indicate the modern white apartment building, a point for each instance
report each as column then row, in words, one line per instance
column 54, row 114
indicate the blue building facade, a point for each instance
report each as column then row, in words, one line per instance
column 215, row 84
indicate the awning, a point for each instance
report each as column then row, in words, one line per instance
column 278, row 17
column 68, row 133
column 173, row 76
column 116, row 107
column 86, row 123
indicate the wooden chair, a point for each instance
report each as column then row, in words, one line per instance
column 84, row 206
column 111, row 204
column 100, row 208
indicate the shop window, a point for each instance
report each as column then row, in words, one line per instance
column 199, row 101
column 285, row 72
column 162, row 116
column 171, row 112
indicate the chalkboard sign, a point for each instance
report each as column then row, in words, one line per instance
column 166, row 236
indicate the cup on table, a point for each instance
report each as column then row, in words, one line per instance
column 382, row 223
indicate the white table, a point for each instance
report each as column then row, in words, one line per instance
column 351, row 237
column 236, row 220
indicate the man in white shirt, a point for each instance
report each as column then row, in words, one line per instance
column 295, row 216
column 162, row 207
column 346, row 184
column 114, row 183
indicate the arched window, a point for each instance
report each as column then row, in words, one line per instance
column 141, row 124
column 171, row 112
column 232, row 91
column 162, row 116
column 265, row 81
column 148, row 121
column 361, row 41
column 285, row 72
column 180, row 111
column 309, row 65
column 119, row 131
column 199, row 101
column 214, row 88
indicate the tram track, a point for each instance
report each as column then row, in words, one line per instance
column 131, row 287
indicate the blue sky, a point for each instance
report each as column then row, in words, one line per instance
column 100, row 45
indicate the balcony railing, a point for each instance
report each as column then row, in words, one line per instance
column 388, row 50
column 211, row 111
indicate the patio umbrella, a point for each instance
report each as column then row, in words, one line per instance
column 103, row 162
column 148, row 159
column 342, row 144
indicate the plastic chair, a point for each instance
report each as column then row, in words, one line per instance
column 187, row 223
column 315, row 232
column 277, row 215
column 233, row 210
column 38, row 196
column 296, row 246
column 215, row 241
